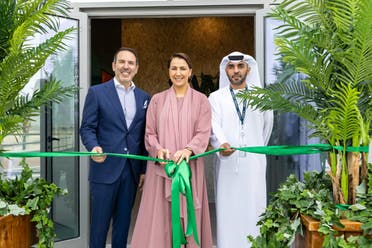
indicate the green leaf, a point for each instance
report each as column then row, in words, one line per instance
column 15, row 210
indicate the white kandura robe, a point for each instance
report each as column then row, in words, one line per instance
column 240, row 182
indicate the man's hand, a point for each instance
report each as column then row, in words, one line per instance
column 98, row 158
column 141, row 182
column 227, row 151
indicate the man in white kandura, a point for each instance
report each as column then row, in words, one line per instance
column 240, row 178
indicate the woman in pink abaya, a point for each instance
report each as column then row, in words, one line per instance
column 178, row 125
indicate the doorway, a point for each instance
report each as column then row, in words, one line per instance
column 205, row 39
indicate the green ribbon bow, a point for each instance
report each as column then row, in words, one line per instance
column 181, row 184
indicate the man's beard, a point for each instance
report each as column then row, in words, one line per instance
column 237, row 83
column 240, row 81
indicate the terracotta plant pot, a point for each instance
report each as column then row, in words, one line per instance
column 313, row 239
column 17, row 231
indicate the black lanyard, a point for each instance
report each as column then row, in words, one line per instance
column 240, row 114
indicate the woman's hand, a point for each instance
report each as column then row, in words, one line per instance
column 181, row 155
column 163, row 154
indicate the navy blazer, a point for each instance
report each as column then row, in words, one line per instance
column 103, row 124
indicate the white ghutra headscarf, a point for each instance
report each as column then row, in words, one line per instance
column 253, row 78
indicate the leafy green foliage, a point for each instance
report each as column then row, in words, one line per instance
column 281, row 220
column 28, row 195
column 361, row 212
column 313, row 197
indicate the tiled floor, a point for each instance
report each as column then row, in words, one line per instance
column 135, row 211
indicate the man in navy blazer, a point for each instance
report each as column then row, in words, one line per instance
column 113, row 121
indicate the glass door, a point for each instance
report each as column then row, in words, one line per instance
column 70, row 212
column 60, row 124
column 60, row 133
column 288, row 129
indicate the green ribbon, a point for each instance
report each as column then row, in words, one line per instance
column 343, row 206
column 181, row 184
column 74, row 154
column 268, row 150
column 181, row 176
column 296, row 150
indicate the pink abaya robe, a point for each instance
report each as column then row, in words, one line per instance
column 174, row 123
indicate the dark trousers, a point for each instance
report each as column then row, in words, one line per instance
column 112, row 201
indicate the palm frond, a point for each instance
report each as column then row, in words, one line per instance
column 295, row 52
column 298, row 17
column 344, row 118
column 343, row 13
column 28, row 107
column 20, row 21
column 355, row 60
column 10, row 124
column 17, row 68
column 296, row 46
column 284, row 97
column 7, row 9
column 37, row 16
column 365, row 101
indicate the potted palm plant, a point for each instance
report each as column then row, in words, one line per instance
column 20, row 21
column 329, row 43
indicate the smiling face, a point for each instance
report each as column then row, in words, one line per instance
column 237, row 73
column 125, row 67
column 179, row 72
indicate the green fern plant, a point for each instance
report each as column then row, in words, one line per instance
column 20, row 21
column 329, row 43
